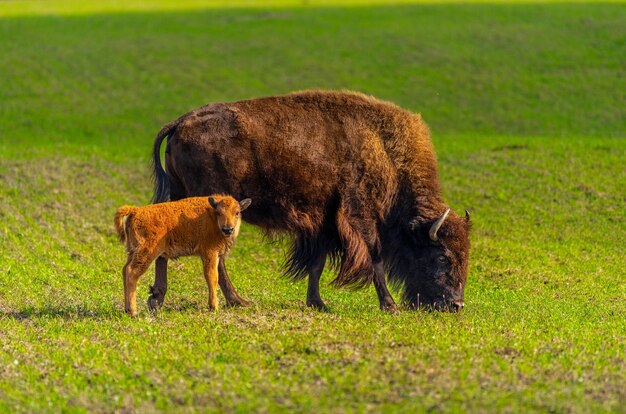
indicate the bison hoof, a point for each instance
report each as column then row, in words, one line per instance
column 154, row 304
column 318, row 305
column 389, row 306
column 156, row 298
column 237, row 302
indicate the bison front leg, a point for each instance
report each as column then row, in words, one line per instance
column 210, row 263
column 230, row 294
column 158, row 290
column 384, row 297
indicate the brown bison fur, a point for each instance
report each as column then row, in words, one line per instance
column 197, row 226
column 351, row 177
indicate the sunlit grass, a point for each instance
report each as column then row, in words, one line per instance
column 75, row 7
column 525, row 106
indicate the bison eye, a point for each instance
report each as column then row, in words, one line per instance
column 442, row 259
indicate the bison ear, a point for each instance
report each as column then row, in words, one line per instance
column 414, row 225
column 212, row 202
column 244, row 204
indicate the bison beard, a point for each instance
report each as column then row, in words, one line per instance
column 350, row 177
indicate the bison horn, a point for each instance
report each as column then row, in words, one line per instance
column 467, row 216
column 436, row 225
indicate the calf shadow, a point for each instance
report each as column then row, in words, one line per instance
column 81, row 312
column 61, row 311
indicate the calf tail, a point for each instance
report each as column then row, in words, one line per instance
column 161, row 182
column 121, row 222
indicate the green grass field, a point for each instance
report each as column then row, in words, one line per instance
column 527, row 106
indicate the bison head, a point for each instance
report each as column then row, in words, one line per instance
column 436, row 271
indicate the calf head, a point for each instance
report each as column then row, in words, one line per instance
column 228, row 213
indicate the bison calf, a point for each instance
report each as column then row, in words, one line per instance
column 196, row 226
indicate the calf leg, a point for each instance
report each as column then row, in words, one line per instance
column 210, row 263
column 125, row 271
column 384, row 297
column 158, row 290
column 136, row 266
column 230, row 294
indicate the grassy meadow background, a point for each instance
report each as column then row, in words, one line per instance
column 527, row 106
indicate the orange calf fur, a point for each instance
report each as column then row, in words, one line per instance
column 196, row 226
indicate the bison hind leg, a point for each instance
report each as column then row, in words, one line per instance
column 307, row 257
column 299, row 258
column 305, row 254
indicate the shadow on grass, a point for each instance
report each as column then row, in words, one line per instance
column 77, row 312
column 61, row 311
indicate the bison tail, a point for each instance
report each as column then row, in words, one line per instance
column 161, row 182
column 121, row 222
column 356, row 263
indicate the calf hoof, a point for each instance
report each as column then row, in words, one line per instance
column 131, row 313
column 318, row 305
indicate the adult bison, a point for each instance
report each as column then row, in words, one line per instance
column 353, row 179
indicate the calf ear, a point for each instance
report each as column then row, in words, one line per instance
column 244, row 204
column 212, row 202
